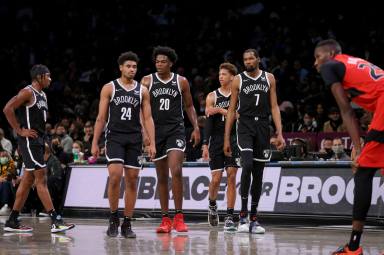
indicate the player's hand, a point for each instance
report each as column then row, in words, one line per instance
column 146, row 148
column 355, row 165
column 227, row 148
column 280, row 142
column 195, row 137
column 355, row 157
column 205, row 153
column 151, row 150
column 27, row 133
column 95, row 150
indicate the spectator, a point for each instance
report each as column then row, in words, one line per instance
column 78, row 151
column 65, row 122
column 7, row 191
column 321, row 117
column 57, row 150
column 76, row 130
column 300, row 72
column 335, row 123
column 48, row 131
column 5, row 143
column 309, row 124
column 326, row 147
column 338, row 150
column 201, row 104
column 55, row 182
column 87, row 138
column 65, row 140
column 300, row 149
column 288, row 116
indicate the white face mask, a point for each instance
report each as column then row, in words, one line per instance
column 337, row 149
column 307, row 122
column 4, row 160
column 74, row 150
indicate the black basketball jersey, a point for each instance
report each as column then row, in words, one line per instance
column 34, row 116
column 166, row 100
column 221, row 101
column 254, row 99
column 124, row 109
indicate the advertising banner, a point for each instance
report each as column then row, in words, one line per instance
column 285, row 190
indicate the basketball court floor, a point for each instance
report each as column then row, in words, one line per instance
column 89, row 238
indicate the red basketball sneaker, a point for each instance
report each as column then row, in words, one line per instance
column 178, row 223
column 165, row 226
column 345, row 251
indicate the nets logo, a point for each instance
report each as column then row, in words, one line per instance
column 266, row 153
column 180, row 143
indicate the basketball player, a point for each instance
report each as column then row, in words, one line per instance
column 122, row 102
column 355, row 79
column 254, row 91
column 27, row 114
column 216, row 110
column 168, row 92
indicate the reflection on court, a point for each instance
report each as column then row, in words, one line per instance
column 89, row 238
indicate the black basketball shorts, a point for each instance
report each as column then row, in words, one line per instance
column 124, row 149
column 253, row 134
column 32, row 152
column 217, row 159
column 168, row 138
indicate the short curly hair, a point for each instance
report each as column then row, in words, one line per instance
column 129, row 55
column 166, row 51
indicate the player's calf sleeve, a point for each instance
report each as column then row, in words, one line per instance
column 363, row 192
column 257, row 183
column 247, row 165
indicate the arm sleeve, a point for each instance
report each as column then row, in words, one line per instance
column 332, row 72
column 208, row 130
